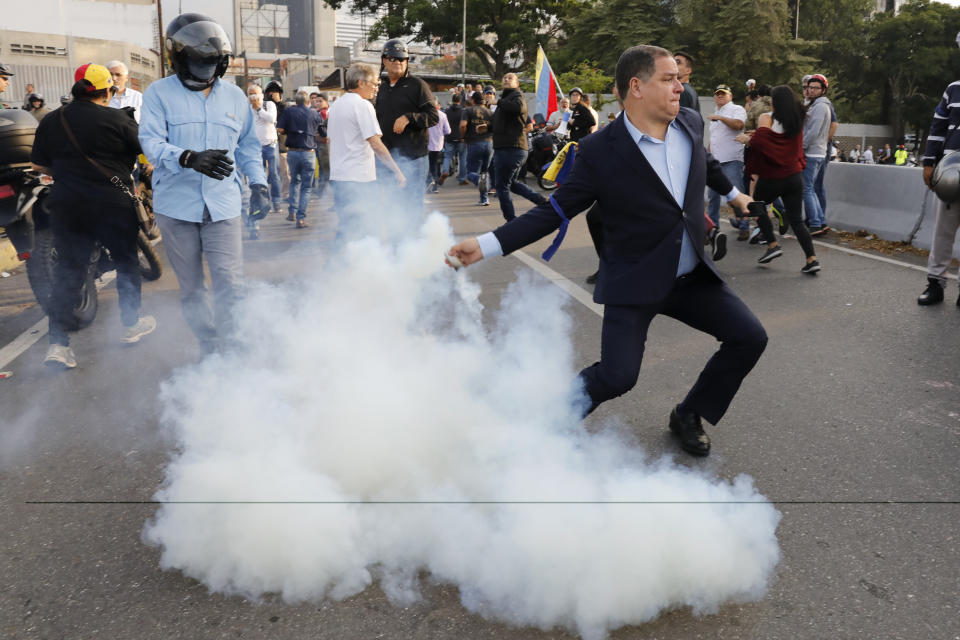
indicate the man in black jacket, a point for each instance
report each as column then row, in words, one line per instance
column 405, row 111
column 510, row 146
column 647, row 172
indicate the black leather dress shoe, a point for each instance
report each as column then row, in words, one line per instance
column 689, row 430
column 592, row 278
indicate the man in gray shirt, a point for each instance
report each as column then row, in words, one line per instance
column 816, row 132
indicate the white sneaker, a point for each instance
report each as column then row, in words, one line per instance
column 60, row 356
column 145, row 325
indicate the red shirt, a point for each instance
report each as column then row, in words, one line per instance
column 775, row 155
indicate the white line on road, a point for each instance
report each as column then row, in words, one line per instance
column 578, row 292
column 28, row 338
column 864, row 254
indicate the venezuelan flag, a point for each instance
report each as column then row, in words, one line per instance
column 547, row 86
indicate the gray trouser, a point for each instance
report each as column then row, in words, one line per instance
column 186, row 243
column 944, row 236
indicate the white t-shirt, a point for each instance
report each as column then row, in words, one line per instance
column 130, row 98
column 350, row 121
column 723, row 140
column 265, row 122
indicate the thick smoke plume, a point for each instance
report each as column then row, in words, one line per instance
column 374, row 381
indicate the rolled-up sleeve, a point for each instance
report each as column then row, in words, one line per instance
column 153, row 133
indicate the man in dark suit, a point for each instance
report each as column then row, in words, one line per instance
column 647, row 172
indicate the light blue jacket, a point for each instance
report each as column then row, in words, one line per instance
column 174, row 119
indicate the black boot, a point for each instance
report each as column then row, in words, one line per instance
column 933, row 294
column 592, row 278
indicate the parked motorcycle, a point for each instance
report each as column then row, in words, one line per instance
column 543, row 149
column 25, row 220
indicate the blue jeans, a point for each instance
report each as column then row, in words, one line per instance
column 301, row 165
column 271, row 162
column 507, row 162
column 811, row 204
column 458, row 149
column 358, row 209
column 478, row 163
column 818, row 187
column 734, row 172
column 409, row 200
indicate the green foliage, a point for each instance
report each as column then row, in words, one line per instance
column 588, row 76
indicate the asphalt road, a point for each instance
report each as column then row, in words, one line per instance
column 850, row 422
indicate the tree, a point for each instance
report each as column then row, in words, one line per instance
column 909, row 53
column 590, row 78
column 503, row 34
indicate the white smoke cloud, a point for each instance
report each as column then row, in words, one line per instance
column 374, row 381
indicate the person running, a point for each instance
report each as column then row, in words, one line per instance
column 776, row 157
column 477, row 133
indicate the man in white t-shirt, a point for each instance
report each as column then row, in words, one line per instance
column 355, row 144
column 265, row 123
column 125, row 96
column 726, row 123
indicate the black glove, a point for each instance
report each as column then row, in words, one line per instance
column 259, row 202
column 212, row 162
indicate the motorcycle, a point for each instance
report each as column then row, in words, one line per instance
column 543, row 149
column 25, row 220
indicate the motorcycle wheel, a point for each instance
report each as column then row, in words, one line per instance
column 150, row 266
column 146, row 196
column 40, row 267
column 546, row 185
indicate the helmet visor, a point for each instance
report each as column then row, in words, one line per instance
column 204, row 39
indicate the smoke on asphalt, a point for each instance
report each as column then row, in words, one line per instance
column 377, row 428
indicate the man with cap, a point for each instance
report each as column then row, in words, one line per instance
column 194, row 129
column 274, row 93
column 581, row 120
column 125, row 96
column 726, row 122
column 5, row 74
column 86, row 208
column 405, row 112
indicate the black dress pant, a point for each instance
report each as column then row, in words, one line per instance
column 78, row 224
column 698, row 301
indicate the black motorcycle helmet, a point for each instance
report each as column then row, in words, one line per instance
column 395, row 48
column 33, row 97
column 199, row 50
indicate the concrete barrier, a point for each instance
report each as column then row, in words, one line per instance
column 889, row 201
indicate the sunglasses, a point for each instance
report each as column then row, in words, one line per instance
column 395, row 59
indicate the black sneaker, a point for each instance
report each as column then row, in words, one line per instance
column 770, row 254
column 811, row 267
column 933, row 294
column 719, row 246
column 819, row 231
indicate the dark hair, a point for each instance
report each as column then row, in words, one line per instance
column 455, row 97
column 753, row 95
column 637, row 62
column 763, row 89
column 787, row 110
column 79, row 91
column 477, row 97
column 686, row 56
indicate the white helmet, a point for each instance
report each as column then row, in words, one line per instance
column 946, row 178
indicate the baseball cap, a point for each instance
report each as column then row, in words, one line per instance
column 97, row 76
column 722, row 88
column 489, row 89
column 5, row 70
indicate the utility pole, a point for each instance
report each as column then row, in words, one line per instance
column 463, row 65
column 160, row 36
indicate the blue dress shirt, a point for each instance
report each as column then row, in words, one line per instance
column 300, row 123
column 174, row 119
column 670, row 159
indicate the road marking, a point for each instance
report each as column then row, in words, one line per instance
column 864, row 254
column 28, row 338
column 574, row 290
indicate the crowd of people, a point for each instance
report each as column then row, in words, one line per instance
column 386, row 141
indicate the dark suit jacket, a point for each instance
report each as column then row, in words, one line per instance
column 642, row 224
